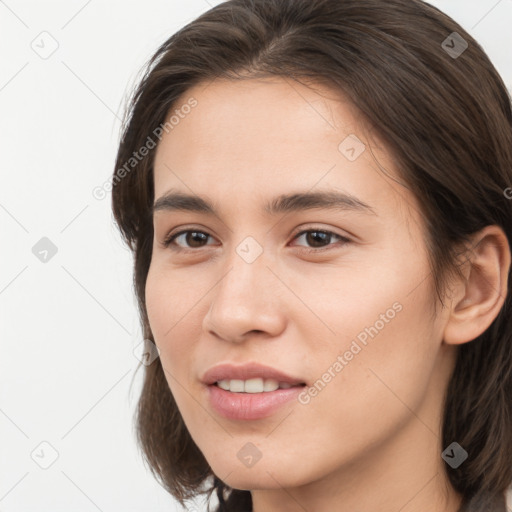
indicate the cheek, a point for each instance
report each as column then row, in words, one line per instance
column 164, row 305
column 172, row 297
column 385, row 338
column 159, row 303
column 380, row 303
column 176, row 303
column 374, row 393
column 169, row 315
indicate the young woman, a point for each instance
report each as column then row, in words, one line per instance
column 318, row 197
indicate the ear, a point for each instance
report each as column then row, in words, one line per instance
column 478, row 299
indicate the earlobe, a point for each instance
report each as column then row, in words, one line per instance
column 478, row 300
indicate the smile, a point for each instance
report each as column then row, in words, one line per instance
column 256, row 385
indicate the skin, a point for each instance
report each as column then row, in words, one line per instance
column 370, row 440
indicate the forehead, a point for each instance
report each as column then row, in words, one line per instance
column 255, row 117
column 271, row 135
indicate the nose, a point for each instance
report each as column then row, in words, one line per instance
column 248, row 301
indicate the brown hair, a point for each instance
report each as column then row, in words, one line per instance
column 447, row 121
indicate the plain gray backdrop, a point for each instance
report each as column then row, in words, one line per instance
column 69, row 324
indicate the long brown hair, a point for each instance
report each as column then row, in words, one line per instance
column 445, row 115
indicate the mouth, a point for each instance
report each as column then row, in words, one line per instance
column 250, row 391
column 255, row 385
column 250, row 406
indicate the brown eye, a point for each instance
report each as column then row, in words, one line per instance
column 319, row 239
column 316, row 239
column 192, row 239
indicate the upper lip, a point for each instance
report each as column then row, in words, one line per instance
column 246, row 371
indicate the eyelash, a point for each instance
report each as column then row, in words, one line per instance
column 168, row 241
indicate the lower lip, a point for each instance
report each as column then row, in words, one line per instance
column 250, row 406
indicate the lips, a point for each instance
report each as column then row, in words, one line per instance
column 247, row 371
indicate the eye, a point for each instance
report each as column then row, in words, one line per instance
column 319, row 239
column 194, row 239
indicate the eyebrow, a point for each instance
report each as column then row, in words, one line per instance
column 286, row 203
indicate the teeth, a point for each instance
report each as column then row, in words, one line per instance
column 252, row 385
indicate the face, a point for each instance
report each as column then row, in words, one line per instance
column 336, row 295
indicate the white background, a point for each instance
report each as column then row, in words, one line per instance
column 69, row 326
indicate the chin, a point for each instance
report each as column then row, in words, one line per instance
column 248, row 480
column 263, row 475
